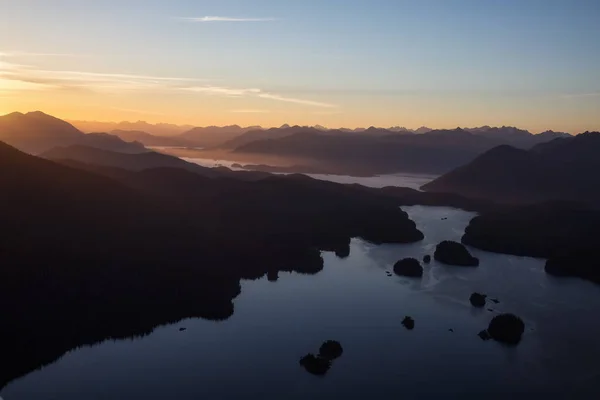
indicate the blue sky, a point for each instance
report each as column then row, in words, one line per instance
column 531, row 63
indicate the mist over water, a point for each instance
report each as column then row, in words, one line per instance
column 212, row 163
column 255, row 353
column 413, row 181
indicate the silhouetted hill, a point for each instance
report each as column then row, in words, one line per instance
column 162, row 129
column 364, row 154
column 378, row 151
column 260, row 134
column 149, row 140
column 213, row 136
column 133, row 162
column 36, row 132
column 516, row 137
column 76, row 259
column 423, row 129
column 105, row 141
column 564, row 233
column 541, row 230
column 95, row 253
column 547, row 136
column 370, row 151
column 563, row 169
column 286, row 130
column 142, row 161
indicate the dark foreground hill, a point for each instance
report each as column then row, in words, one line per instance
column 89, row 255
column 563, row 169
column 133, row 162
column 148, row 139
column 142, row 161
column 564, row 233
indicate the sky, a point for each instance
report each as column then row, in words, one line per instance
column 534, row 64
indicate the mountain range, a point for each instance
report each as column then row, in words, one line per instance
column 161, row 129
column 85, row 156
column 369, row 151
column 212, row 136
column 150, row 140
column 377, row 151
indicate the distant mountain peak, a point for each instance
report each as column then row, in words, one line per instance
column 39, row 114
column 423, row 129
column 14, row 114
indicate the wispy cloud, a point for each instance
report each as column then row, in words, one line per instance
column 30, row 54
column 253, row 92
column 18, row 77
column 277, row 97
column 224, row 91
column 581, row 95
column 250, row 111
column 226, row 19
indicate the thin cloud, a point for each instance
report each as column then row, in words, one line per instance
column 295, row 101
column 12, row 81
column 582, row 95
column 101, row 76
column 30, row 54
column 234, row 92
column 226, row 19
column 17, row 77
column 225, row 91
column 11, row 86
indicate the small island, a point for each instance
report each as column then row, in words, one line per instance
column 409, row 267
column 453, row 253
column 478, row 300
column 330, row 350
column 315, row 365
column 408, row 323
column 506, row 328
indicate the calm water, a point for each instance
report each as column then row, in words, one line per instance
column 255, row 353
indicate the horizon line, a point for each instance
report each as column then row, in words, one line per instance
column 392, row 128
